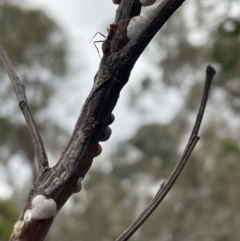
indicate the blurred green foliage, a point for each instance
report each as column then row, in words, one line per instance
column 31, row 38
column 226, row 47
column 8, row 215
column 37, row 48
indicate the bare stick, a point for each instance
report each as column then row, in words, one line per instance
column 166, row 186
column 210, row 72
column 162, row 192
column 23, row 104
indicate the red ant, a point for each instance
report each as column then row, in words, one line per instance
column 106, row 43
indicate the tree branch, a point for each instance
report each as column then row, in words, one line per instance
column 162, row 192
column 59, row 182
column 210, row 72
column 23, row 104
column 167, row 185
column 156, row 20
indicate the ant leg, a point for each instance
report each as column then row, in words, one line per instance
column 99, row 41
column 96, row 35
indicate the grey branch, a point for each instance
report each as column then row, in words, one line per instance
column 23, row 104
column 167, row 185
column 210, row 72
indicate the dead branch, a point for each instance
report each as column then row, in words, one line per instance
column 167, row 185
column 23, row 104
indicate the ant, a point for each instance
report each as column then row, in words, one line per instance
column 106, row 46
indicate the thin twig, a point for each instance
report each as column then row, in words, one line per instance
column 210, row 72
column 167, row 185
column 162, row 192
column 23, row 104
